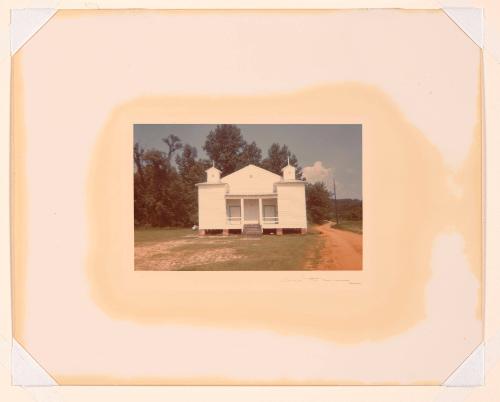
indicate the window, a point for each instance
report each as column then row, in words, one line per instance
column 269, row 211
column 234, row 211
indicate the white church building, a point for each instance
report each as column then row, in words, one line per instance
column 252, row 200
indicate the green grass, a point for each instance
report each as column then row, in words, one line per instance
column 155, row 234
column 268, row 252
column 351, row 226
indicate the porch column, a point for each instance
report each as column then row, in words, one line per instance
column 242, row 209
column 261, row 220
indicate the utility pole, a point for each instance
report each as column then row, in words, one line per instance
column 335, row 200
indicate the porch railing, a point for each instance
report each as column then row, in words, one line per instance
column 270, row 219
column 234, row 220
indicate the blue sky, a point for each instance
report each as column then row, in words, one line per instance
column 325, row 151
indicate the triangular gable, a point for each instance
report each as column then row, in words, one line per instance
column 248, row 169
column 251, row 180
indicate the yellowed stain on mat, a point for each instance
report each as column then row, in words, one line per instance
column 406, row 201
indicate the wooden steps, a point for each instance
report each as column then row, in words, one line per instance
column 252, row 230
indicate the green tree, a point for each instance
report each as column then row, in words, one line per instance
column 138, row 154
column 227, row 148
column 173, row 143
column 139, row 199
column 159, row 177
column 318, row 203
column 277, row 159
column 191, row 171
column 250, row 154
column 158, row 190
column 163, row 195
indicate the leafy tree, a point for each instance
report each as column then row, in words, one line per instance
column 138, row 154
column 227, row 148
column 173, row 143
column 139, row 204
column 159, row 199
column 187, row 160
column 349, row 209
column 318, row 203
column 159, row 177
column 277, row 159
column 250, row 154
column 191, row 171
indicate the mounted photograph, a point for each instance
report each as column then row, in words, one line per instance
column 248, row 197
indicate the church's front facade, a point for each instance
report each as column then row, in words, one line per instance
column 252, row 200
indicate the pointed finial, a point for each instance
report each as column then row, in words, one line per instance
column 213, row 163
column 288, row 160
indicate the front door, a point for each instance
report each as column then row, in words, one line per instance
column 251, row 208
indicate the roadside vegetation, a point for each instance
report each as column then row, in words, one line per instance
column 351, row 226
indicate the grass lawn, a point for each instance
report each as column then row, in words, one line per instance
column 183, row 250
column 154, row 235
column 351, row 226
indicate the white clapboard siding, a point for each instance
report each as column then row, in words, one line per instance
column 212, row 206
column 251, row 180
column 292, row 205
column 242, row 197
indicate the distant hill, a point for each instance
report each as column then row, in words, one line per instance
column 348, row 209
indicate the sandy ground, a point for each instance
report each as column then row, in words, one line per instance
column 342, row 250
column 163, row 256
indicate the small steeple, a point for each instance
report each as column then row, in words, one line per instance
column 288, row 171
column 213, row 174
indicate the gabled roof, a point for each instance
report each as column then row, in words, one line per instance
column 249, row 168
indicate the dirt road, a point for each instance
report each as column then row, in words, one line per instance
column 342, row 250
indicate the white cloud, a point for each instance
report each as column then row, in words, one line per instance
column 319, row 173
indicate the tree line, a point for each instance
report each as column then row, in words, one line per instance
column 165, row 194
